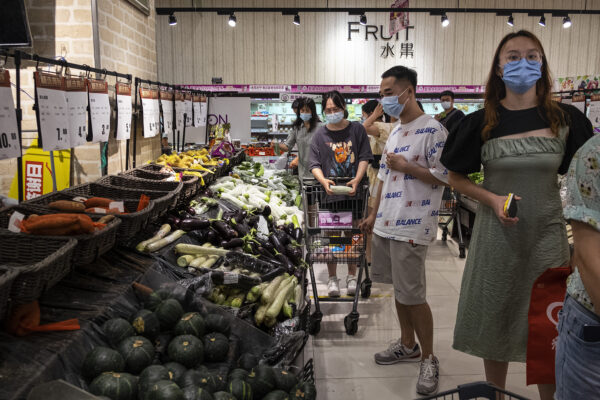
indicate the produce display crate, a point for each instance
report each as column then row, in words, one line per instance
column 88, row 247
column 191, row 184
column 207, row 177
column 131, row 182
column 238, row 158
column 34, row 263
column 7, row 277
column 131, row 223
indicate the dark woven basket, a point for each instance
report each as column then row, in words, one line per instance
column 207, row 177
column 238, row 158
column 7, row 277
column 131, row 182
column 38, row 263
column 89, row 246
column 131, row 223
column 191, row 184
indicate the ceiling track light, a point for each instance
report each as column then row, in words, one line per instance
column 567, row 22
column 445, row 20
column 363, row 19
column 510, row 21
column 297, row 19
column 232, row 20
column 172, row 19
column 542, row 21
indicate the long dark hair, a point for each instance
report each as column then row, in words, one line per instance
column 496, row 91
column 314, row 119
column 337, row 99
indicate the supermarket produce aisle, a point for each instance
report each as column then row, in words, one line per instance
column 344, row 365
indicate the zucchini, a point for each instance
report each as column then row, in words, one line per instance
column 275, row 307
column 259, row 316
column 185, row 260
column 159, row 244
column 343, row 190
column 269, row 292
column 183, row 248
column 162, row 232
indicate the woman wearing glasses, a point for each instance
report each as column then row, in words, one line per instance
column 339, row 149
column 523, row 139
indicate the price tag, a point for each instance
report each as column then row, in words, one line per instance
column 123, row 111
column 52, row 111
column 149, row 102
column 10, row 146
column 203, row 111
column 230, row 279
column 189, row 110
column 99, row 110
column 156, row 114
column 179, row 110
column 14, row 223
column 77, row 101
column 196, row 108
column 166, row 101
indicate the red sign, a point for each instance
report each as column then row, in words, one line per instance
column 34, row 179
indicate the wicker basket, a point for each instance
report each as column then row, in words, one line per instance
column 131, row 223
column 89, row 246
column 39, row 262
column 191, row 184
column 238, row 158
column 207, row 177
column 130, row 182
column 7, row 277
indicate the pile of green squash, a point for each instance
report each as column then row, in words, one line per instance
column 160, row 354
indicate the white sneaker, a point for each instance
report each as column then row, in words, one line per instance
column 333, row 287
column 429, row 376
column 351, row 285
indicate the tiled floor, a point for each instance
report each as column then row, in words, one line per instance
column 344, row 366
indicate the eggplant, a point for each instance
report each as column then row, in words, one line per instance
column 224, row 230
column 213, row 237
column 283, row 237
column 266, row 212
column 266, row 244
column 173, row 221
column 199, row 235
column 235, row 242
column 277, row 243
column 190, row 210
column 264, row 252
column 293, row 253
column 289, row 229
column 241, row 228
column 297, row 234
column 290, row 268
column 269, row 276
column 252, row 221
column 192, row 224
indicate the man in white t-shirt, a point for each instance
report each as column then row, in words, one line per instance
column 404, row 220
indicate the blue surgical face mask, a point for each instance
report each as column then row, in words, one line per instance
column 335, row 117
column 305, row 116
column 520, row 76
column 391, row 106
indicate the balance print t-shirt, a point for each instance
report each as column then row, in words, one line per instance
column 409, row 208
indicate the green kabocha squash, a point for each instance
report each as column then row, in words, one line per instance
column 116, row 330
column 200, row 378
column 196, row 393
column 161, row 346
column 223, row 396
column 218, row 323
column 247, row 361
column 146, row 324
column 277, row 395
column 187, row 350
column 164, row 390
column 168, row 312
column 154, row 299
column 304, row 391
column 102, row 359
column 176, row 372
column 238, row 373
column 220, row 382
column 262, row 381
column 284, row 380
column 150, row 375
column 115, row 385
column 190, row 323
column 240, row 389
column 138, row 353
column 216, row 347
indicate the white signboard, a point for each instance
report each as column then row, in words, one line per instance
column 167, row 109
column 179, row 111
column 99, row 110
column 124, row 111
column 149, row 103
column 188, row 111
column 77, row 102
column 234, row 110
column 197, row 111
column 10, row 146
column 52, row 111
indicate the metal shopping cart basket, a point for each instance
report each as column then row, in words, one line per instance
column 476, row 390
column 449, row 209
column 332, row 235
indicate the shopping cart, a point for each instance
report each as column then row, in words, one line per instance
column 476, row 390
column 291, row 155
column 332, row 235
column 449, row 208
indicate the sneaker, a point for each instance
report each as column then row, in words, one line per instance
column 333, row 287
column 429, row 376
column 351, row 285
column 398, row 352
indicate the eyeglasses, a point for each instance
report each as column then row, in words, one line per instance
column 530, row 56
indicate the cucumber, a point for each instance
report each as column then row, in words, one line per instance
column 340, row 189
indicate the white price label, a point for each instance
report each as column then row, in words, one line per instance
column 203, row 112
column 123, row 117
column 100, row 116
column 230, row 279
column 151, row 128
column 156, row 115
column 54, row 119
column 197, row 115
column 77, row 106
column 188, row 110
column 167, row 112
column 179, row 110
column 10, row 146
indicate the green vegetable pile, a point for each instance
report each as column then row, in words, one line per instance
column 476, row 177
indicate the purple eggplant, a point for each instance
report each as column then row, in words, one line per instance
column 173, row 221
column 277, row 243
column 297, row 234
column 289, row 229
column 252, row 221
column 240, row 227
column 213, row 237
column 290, row 268
column 224, row 229
column 241, row 216
column 199, row 235
column 266, row 211
column 190, row 210
column 235, row 242
column 294, row 253
column 192, row 224
column 283, row 237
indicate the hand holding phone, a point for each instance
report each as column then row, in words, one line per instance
column 510, row 206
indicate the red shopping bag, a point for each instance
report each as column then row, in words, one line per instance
column 547, row 299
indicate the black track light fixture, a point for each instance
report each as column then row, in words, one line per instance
column 567, row 22
column 172, row 19
column 232, row 20
column 297, row 19
column 363, row 19
column 510, row 21
column 445, row 20
column 542, row 21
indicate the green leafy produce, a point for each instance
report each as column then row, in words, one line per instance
column 216, row 347
column 164, row 390
column 190, row 323
column 138, row 353
column 146, row 324
column 187, row 350
column 116, row 330
column 168, row 313
column 115, row 385
column 102, row 359
column 476, row 177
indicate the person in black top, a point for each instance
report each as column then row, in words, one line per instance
column 450, row 117
column 523, row 139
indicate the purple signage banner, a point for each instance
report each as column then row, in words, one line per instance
column 327, row 88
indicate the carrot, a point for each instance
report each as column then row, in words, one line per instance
column 97, row 202
column 67, row 205
column 50, row 221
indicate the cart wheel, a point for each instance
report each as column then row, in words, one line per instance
column 461, row 252
column 444, row 234
column 315, row 323
column 365, row 289
column 351, row 323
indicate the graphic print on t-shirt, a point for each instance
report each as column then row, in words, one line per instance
column 342, row 159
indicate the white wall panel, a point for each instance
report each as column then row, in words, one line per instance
column 266, row 48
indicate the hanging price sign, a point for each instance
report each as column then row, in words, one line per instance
column 166, row 101
column 10, row 146
column 99, row 110
column 52, row 111
column 196, row 108
column 179, row 110
column 77, row 101
column 188, row 109
column 123, row 110
column 203, row 110
column 150, row 111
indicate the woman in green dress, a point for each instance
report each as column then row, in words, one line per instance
column 523, row 139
